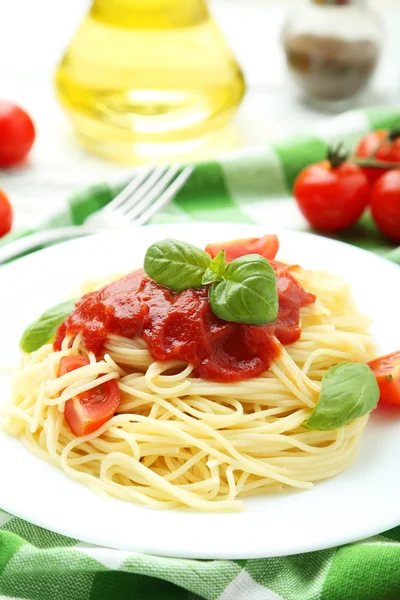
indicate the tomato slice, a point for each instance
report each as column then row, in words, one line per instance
column 70, row 363
column 86, row 412
column 90, row 410
column 387, row 373
column 267, row 246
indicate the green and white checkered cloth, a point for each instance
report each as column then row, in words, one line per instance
column 253, row 187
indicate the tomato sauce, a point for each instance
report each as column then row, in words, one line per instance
column 182, row 325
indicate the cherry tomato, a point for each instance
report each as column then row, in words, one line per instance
column 332, row 197
column 387, row 373
column 6, row 214
column 385, row 204
column 70, row 363
column 267, row 246
column 17, row 134
column 379, row 145
column 90, row 410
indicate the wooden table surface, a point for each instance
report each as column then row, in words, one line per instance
column 33, row 35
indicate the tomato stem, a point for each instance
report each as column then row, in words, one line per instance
column 337, row 155
column 393, row 134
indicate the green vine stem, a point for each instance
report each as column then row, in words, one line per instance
column 376, row 164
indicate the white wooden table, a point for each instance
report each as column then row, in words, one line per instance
column 34, row 33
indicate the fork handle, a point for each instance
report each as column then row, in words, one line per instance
column 32, row 241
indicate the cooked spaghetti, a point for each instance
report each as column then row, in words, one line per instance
column 179, row 440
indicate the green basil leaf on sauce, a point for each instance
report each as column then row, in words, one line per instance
column 216, row 270
column 176, row 265
column 44, row 329
column 248, row 292
column 348, row 392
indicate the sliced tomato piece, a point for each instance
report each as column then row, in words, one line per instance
column 70, row 363
column 387, row 373
column 88, row 411
column 267, row 246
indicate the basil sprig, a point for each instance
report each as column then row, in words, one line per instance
column 44, row 328
column 348, row 392
column 247, row 292
column 244, row 291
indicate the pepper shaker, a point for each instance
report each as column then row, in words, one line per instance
column 332, row 48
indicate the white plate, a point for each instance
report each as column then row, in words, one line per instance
column 362, row 501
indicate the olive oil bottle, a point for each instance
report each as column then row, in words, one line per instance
column 147, row 73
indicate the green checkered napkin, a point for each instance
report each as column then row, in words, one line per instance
column 251, row 187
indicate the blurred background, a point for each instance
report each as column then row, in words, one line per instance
column 35, row 34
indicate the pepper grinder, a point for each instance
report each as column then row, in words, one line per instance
column 332, row 48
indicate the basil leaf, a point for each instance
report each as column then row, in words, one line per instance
column 348, row 392
column 44, row 329
column 247, row 293
column 216, row 270
column 176, row 265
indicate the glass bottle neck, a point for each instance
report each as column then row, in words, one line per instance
column 150, row 13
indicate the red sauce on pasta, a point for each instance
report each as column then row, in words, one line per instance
column 182, row 325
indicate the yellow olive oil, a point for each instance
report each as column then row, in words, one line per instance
column 147, row 72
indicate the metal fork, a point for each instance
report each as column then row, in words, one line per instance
column 150, row 189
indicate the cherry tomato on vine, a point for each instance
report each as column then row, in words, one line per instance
column 385, row 204
column 383, row 145
column 332, row 194
column 6, row 214
column 17, row 134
